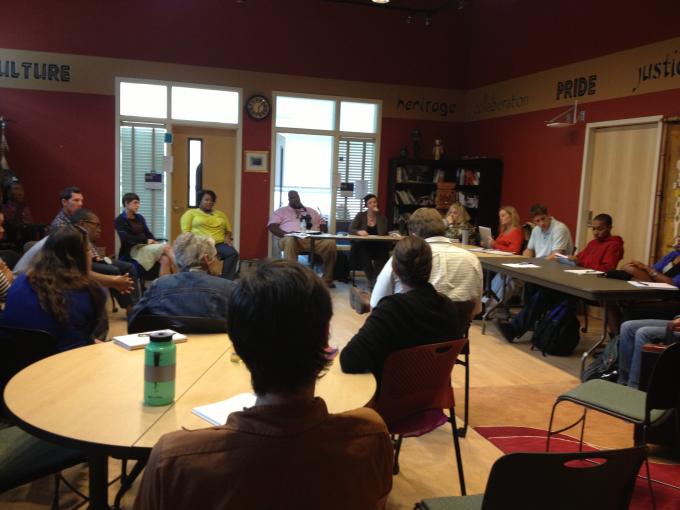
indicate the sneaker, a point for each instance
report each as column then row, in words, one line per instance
column 507, row 330
column 359, row 300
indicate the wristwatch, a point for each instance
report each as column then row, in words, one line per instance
column 653, row 274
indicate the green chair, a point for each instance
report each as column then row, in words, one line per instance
column 643, row 409
column 559, row 481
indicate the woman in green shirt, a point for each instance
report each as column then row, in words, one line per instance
column 206, row 221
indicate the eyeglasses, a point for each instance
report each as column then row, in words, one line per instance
column 95, row 223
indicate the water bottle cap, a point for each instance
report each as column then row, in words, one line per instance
column 161, row 336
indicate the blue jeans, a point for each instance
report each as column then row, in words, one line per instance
column 229, row 255
column 634, row 334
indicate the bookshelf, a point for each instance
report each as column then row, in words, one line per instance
column 476, row 183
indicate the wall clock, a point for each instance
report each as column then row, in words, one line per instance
column 258, row 107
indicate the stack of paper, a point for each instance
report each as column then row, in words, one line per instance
column 139, row 340
column 217, row 413
column 653, row 285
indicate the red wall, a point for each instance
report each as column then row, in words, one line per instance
column 543, row 164
column 301, row 37
column 58, row 140
column 513, row 38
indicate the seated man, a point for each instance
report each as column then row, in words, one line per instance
column 287, row 219
column 71, row 200
column 286, row 451
column 604, row 252
column 548, row 238
column 456, row 272
column 196, row 290
column 89, row 221
column 634, row 334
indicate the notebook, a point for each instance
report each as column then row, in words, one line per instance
column 217, row 413
column 485, row 237
column 139, row 340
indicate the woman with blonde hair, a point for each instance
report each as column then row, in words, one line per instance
column 510, row 234
column 457, row 220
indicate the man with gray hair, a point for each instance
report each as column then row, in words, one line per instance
column 196, row 290
column 456, row 272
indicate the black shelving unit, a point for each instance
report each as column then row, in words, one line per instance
column 413, row 184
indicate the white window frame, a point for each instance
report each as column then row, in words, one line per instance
column 168, row 123
column 335, row 133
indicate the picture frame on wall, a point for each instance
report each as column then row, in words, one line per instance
column 257, row 161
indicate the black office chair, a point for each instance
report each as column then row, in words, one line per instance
column 560, row 481
column 23, row 457
column 181, row 324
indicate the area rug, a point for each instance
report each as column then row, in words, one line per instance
column 665, row 477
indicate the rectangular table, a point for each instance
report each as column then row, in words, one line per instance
column 337, row 237
column 551, row 274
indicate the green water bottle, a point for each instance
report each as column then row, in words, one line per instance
column 160, row 355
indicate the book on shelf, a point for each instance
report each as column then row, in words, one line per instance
column 467, row 177
column 469, row 200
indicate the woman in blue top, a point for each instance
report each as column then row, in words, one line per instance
column 56, row 294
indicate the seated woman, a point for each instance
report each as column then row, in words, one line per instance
column 510, row 238
column 417, row 316
column 138, row 244
column 206, row 221
column 56, row 294
column 194, row 291
column 510, row 235
column 457, row 220
column 372, row 254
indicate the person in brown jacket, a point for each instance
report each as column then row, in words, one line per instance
column 287, row 451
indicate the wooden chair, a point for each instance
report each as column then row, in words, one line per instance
column 414, row 388
column 643, row 409
column 560, row 481
column 181, row 324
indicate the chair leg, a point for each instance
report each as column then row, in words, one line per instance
column 584, row 329
column 466, row 409
column 583, row 428
column 649, row 476
column 114, row 308
column 549, row 434
column 456, row 445
column 397, row 449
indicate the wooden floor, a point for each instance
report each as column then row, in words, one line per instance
column 510, row 385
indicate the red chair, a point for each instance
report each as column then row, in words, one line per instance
column 414, row 388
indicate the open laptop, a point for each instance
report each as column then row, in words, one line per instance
column 485, row 237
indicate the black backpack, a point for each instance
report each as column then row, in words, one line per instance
column 557, row 333
column 606, row 364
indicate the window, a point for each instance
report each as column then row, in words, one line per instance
column 356, row 162
column 143, row 100
column 358, row 117
column 141, row 152
column 205, row 105
column 305, row 113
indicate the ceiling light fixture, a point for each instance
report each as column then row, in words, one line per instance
column 410, row 19
column 381, row 2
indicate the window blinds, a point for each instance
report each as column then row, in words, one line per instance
column 141, row 151
column 356, row 162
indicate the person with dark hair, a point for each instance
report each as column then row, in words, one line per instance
column 138, row 244
column 15, row 209
column 289, row 219
column 604, row 252
column 371, row 254
column 89, row 221
column 207, row 221
column 287, row 451
column 56, row 294
column 549, row 236
column 71, row 200
column 456, row 272
column 419, row 315
column 195, row 290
